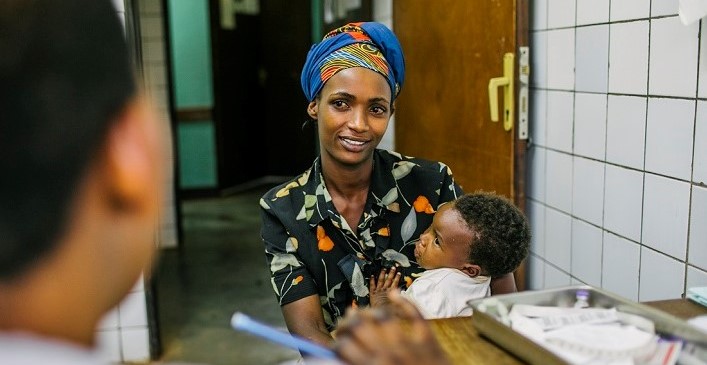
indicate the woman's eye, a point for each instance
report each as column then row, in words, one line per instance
column 378, row 110
column 339, row 103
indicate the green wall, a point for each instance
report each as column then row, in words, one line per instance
column 192, row 80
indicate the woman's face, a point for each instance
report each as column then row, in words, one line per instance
column 352, row 113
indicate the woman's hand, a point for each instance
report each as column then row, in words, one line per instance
column 379, row 289
column 397, row 334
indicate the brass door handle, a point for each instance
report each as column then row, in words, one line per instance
column 506, row 81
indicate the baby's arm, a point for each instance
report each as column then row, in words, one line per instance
column 379, row 289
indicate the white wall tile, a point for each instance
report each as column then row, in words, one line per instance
column 586, row 252
column 665, row 215
column 538, row 59
column 669, row 134
column 556, row 278
column 388, row 140
column 629, row 9
column 119, row 6
column 536, row 273
column 121, row 17
column 673, row 58
column 133, row 310
column 560, row 59
column 698, row 228
column 150, row 6
column 536, row 217
column 623, row 201
column 695, row 277
column 620, row 266
column 151, row 27
column 661, row 277
column 590, row 125
column 592, row 58
column 382, row 9
column 560, row 13
column 626, row 126
column 588, row 190
column 387, row 22
column 139, row 284
column 538, row 121
column 538, row 13
column 558, row 182
column 558, row 236
column 628, row 57
column 136, row 346
column 536, row 182
column 699, row 169
column 592, row 11
column 109, row 320
column 702, row 90
column 664, row 7
column 108, row 346
column 153, row 52
column 560, row 115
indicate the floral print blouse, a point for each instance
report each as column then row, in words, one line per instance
column 311, row 249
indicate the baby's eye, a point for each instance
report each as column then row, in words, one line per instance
column 436, row 241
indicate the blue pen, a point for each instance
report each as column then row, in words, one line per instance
column 242, row 322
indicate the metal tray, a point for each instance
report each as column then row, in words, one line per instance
column 488, row 321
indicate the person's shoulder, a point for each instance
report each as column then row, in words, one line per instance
column 283, row 193
column 421, row 164
column 27, row 348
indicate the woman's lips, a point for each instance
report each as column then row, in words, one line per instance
column 354, row 145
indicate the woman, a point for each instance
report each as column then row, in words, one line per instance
column 358, row 209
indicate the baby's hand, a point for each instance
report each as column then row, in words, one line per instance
column 379, row 289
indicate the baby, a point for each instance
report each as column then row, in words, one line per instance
column 471, row 239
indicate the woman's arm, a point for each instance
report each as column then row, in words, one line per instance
column 304, row 318
column 503, row 284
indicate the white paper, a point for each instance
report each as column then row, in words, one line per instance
column 692, row 10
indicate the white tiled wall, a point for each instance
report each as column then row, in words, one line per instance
column 155, row 77
column 618, row 157
column 123, row 335
column 383, row 12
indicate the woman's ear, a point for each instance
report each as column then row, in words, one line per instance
column 313, row 109
column 392, row 108
column 471, row 270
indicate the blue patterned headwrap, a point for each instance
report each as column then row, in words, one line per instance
column 369, row 44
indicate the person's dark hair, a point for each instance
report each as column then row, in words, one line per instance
column 64, row 77
column 501, row 232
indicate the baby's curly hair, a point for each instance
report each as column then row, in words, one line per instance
column 501, row 232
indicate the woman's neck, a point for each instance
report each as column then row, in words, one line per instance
column 346, row 180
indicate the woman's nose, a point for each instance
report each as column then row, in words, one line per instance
column 359, row 121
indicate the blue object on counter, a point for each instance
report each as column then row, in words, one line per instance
column 698, row 295
column 242, row 322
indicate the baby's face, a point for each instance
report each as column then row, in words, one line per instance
column 446, row 243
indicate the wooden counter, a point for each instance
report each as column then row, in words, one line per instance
column 463, row 344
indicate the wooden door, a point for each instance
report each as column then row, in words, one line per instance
column 452, row 49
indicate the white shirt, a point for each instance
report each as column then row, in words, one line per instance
column 444, row 292
column 18, row 348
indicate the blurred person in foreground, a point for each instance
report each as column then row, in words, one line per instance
column 81, row 157
column 81, row 153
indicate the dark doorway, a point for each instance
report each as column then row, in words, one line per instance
column 258, row 106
